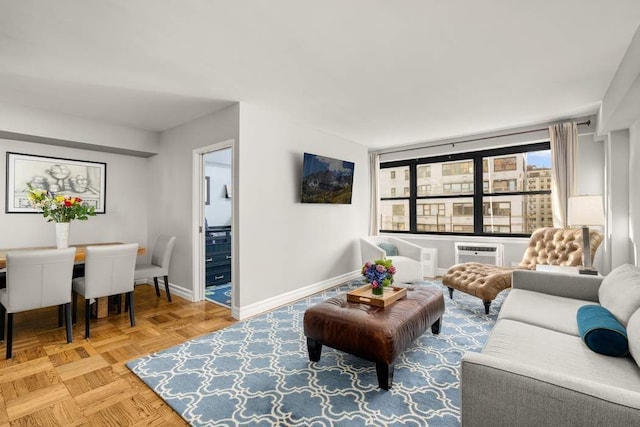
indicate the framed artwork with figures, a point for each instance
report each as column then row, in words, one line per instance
column 67, row 177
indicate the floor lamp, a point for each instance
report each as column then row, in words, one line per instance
column 585, row 211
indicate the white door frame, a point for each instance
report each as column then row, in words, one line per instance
column 197, row 219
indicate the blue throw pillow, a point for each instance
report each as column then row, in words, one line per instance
column 601, row 331
column 389, row 248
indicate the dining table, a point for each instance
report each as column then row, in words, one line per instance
column 102, row 304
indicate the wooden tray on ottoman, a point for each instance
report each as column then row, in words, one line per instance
column 363, row 295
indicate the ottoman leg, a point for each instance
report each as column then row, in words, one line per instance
column 435, row 328
column 315, row 349
column 450, row 293
column 385, row 375
column 486, row 306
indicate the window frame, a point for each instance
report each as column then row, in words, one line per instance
column 478, row 194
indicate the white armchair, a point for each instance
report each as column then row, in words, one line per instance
column 408, row 261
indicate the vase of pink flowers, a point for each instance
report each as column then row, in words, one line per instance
column 379, row 274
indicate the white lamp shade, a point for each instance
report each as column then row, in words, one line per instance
column 586, row 210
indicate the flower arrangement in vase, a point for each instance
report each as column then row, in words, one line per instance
column 379, row 274
column 60, row 209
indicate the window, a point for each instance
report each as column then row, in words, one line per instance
column 504, row 164
column 458, row 187
column 431, row 227
column 496, row 209
column 504, row 185
column 398, row 210
column 444, row 194
column 460, row 168
column 424, row 190
column 433, row 209
column 462, row 209
column 424, row 171
column 497, row 229
column 389, row 186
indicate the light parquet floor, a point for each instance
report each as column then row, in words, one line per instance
column 85, row 383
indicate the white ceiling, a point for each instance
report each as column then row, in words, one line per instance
column 380, row 73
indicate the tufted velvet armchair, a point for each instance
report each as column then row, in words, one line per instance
column 549, row 246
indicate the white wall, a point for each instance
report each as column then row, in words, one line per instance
column 590, row 171
column 170, row 182
column 634, row 197
column 218, row 169
column 284, row 244
column 55, row 128
column 127, row 196
column 618, row 186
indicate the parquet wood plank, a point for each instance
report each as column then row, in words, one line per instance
column 105, row 396
column 64, row 413
column 82, row 366
column 50, row 382
column 36, row 400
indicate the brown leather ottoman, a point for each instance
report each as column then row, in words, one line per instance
column 373, row 333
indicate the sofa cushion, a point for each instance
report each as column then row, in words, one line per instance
column 633, row 335
column 601, row 331
column 544, row 310
column 557, row 352
column 389, row 248
column 620, row 292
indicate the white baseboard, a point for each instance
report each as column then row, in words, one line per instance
column 173, row 288
column 242, row 313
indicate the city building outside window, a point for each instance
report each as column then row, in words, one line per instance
column 512, row 199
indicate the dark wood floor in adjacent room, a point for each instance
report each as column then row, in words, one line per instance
column 85, row 383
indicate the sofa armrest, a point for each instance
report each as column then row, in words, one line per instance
column 370, row 251
column 577, row 286
column 500, row 392
column 408, row 249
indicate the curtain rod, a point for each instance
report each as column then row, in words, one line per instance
column 453, row 144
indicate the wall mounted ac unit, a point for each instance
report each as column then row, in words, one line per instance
column 485, row 253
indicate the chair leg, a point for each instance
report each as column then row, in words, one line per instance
column 155, row 282
column 118, row 303
column 450, row 293
column 60, row 313
column 132, row 316
column 9, row 342
column 166, row 288
column 74, row 304
column 87, row 317
column 3, row 314
column 67, row 320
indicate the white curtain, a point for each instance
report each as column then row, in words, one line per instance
column 374, row 169
column 564, row 153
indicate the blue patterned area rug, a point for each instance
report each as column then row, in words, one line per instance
column 220, row 294
column 257, row 373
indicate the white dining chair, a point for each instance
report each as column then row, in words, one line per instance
column 159, row 267
column 108, row 270
column 36, row 279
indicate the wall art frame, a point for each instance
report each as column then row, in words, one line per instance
column 78, row 178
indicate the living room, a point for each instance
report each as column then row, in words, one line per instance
column 98, row 83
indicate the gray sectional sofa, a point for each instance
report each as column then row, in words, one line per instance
column 535, row 370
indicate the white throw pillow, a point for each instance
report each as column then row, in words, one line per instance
column 620, row 292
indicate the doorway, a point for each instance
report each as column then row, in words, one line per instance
column 218, row 213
